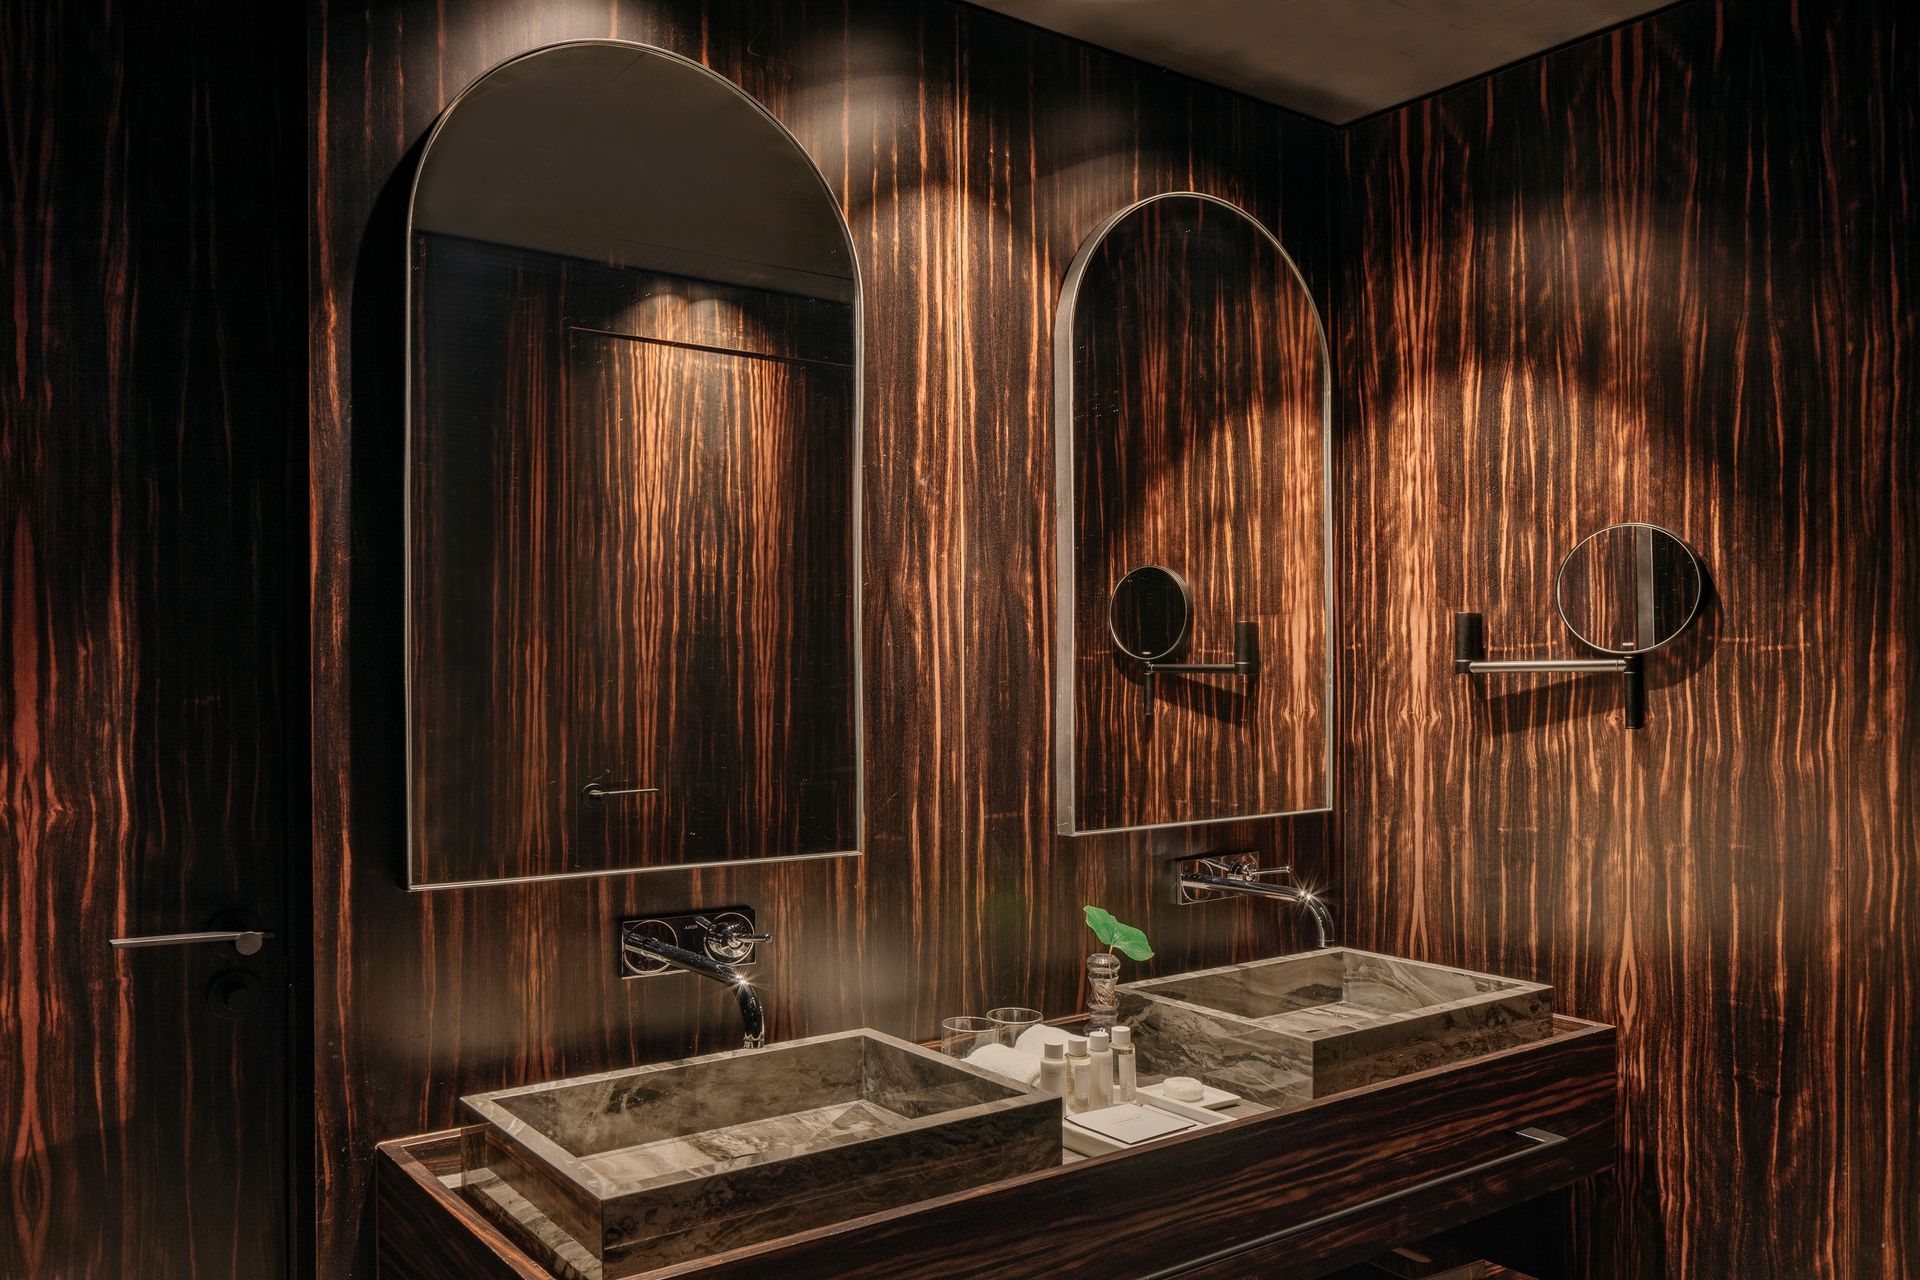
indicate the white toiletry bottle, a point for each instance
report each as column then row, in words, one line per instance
column 1053, row 1069
column 1079, row 1075
column 1100, row 1051
column 1126, row 1077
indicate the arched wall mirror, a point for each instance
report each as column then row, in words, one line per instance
column 1194, row 678
column 632, row 504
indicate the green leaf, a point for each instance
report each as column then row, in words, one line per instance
column 1124, row 938
column 1131, row 942
column 1104, row 926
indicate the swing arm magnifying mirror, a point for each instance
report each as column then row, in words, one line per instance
column 1623, row 592
column 1148, row 615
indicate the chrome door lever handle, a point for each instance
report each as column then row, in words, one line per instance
column 246, row 941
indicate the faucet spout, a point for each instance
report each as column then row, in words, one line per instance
column 753, row 1017
column 1239, row 873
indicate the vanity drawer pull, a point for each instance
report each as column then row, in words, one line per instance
column 1537, row 1141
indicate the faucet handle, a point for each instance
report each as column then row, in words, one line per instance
column 636, row 961
column 730, row 937
column 732, row 926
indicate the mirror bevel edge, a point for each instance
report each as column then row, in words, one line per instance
column 857, row 497
column 1065, row 741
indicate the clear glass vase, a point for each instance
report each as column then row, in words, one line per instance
column 1103, row 1001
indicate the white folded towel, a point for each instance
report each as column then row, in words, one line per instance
column 1003, row 1060
column 1034, row 1039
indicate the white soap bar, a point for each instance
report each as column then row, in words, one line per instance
column 1183, row 1089
column 1131, row 1124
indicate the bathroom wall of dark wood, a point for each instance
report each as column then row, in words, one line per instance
column 1666, row 275
column 972, row 156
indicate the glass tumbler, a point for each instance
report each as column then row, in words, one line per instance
column 961, row 1036
column 1012, row 1021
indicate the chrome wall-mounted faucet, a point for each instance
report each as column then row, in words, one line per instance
column 1204, row 879
column 652, row 945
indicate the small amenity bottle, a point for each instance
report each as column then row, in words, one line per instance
column 1126, row 1078
column 1079, row 1075
column 1053, row 1069
column 1100, row 1051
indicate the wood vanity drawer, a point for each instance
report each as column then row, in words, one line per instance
column 1298, row 1193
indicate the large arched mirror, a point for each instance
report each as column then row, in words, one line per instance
column 1191, row 384
column 632, row 455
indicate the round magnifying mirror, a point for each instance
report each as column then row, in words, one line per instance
column 1148, row 612
column 1628, row 588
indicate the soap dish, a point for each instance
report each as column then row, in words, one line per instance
column 1211, row 1098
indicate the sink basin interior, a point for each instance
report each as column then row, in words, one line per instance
column 1323, row 992
column 624, row 1129
column 642, row 1167
column 1297, row 1027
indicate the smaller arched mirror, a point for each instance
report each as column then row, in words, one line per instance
column 1190, row 472
column 632, row 450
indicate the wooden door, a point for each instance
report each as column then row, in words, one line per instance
column 150, row 395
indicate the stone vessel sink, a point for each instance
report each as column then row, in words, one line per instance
column 1302, row 1026
column 612, row 1174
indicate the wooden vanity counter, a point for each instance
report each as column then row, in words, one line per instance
column 1285, row 1195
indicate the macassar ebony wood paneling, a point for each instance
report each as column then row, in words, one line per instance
column 150, row 356
column 1284, row 1196
column 1198, row 439
column 1667, row 275
column 972, row 157
column 631, row 545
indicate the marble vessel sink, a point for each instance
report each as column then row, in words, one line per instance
column 1302, row 1026
column 617, row 1173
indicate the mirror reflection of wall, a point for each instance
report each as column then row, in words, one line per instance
column 632, row 448
column 1192, row 390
